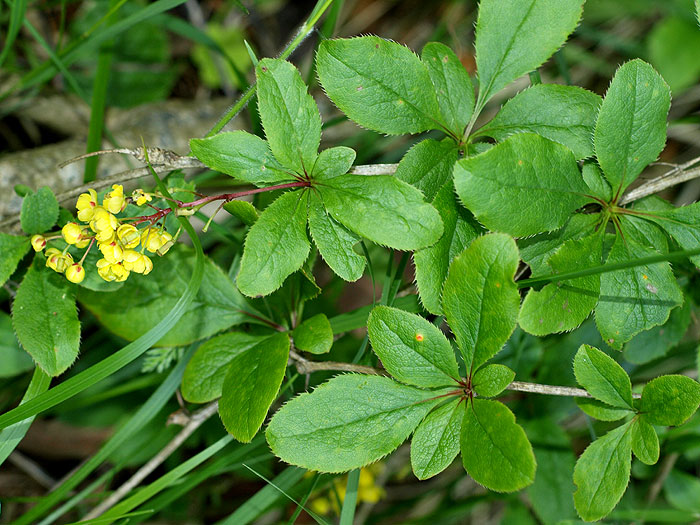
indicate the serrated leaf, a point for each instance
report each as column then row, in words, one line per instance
column 683, row 491
column 289, row 114
column 645, row 442
column 412, row 349
column 644, row 232
column 13, row 248
column 334, row 242
column 432, row 263
column 670, row 400
column 205, row 372
column 480, row 299
column 428, row 166
column 525, row 168
column 314, row 335
column 435, row 443
column 276, row 245
column 333, row 162
column 379, row 84
column 634, row 299
column 45, row 318
column 602, row 377
column 251, row 385
column 347, row 422
column 602, row 473
column 595, row 181
column 382, row 209
column 13, row 360
column 453, row 86
column 241, row 155
column 561, row 306
column 563, row 114
column 495, row 450
column 601, row 411
column 683, row 224
column 243, row 210
column 144, row 300
column 39, row 211
column 491, row 380
column 516, row 37
column 631, row 128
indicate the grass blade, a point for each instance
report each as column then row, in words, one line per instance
column 19, row 7
column 347, row 514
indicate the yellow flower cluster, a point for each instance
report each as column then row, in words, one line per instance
column 367, row 490
column 116, row 240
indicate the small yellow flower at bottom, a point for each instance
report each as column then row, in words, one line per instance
column 152, row 240
column 137, row 262
column 111, row 272
column 38, row 242
column 75, row 273
column 112, row 252
column 57, row 260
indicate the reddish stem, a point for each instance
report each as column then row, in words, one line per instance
column 230, row 196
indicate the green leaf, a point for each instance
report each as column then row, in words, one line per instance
column 314, row 335
column 144, row 300
column 683, row 491
column 251, row 385
column 515, row 37
column 289, row 114
column 276, row 245
column 412, row 349
column 480, row 299
column 563, row 114
column 13, row 248
column 432, row 263
column 334, row 242
column 634, row 299
column 435, row 443
column 382, row 209
column 39, row 211
column 428, row 166
column 243, row 210
column 673, row 43
column 602, row 473
column 670, row 400
column 333, row 162
column 602, row 377
column 453, row 87
column 683, row 224
column 563, row 305
column 379, row 84
column 346, row 423
column 205, row 373
column 525, row 168
column 601, row 411
column 645, row 442
column 495, row 450
column 595, row 181
column 631, row 128
column 241, row 155
column 13, row 360
column 491, row 380
column 45, row 318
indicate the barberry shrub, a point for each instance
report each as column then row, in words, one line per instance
column 519, row 228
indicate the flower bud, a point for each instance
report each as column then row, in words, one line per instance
column 128, row 235
column 75, row 273
column 38, row 242
column 86, row 205
column 72, row 233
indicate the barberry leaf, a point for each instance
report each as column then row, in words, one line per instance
column 356, row 421
column 314, row 335
column 670, row 400
column 602, row 377
column 379, row 84
column 524, row 168
column 243, row 210
column 333, row 162
column 382, row 209
column 491, row 380
column 683, row 491
column 595, row 181
column 13, row 248
column 683, row 224
column 602, row 473
column 645, row 442
column 562, row 306
column 289, row 115
column 453, row 86
column 495, row 450
column 432, row 263
column 601, row 411
column 412, row 349
column 276, row 245
column 241, row 155
column 251, row 385
column 634, row 299
column 334, row 242
column 39, row 211
column 631, row 128
column 516, row 37
column 45, row 318
column 480, row 299
column 205, row 372
column 435, row 444
column 563, row 114
column 428, row 166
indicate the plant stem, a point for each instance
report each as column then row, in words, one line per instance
column 226, row 197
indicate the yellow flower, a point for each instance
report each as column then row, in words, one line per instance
column 83, row 242
column 75, row 273
column 57, row 260
column 137, row 262
column 72, row 233
column 104, row 224
column 141, row 198
column 114, row 200
column 38, row 242
column 111, row 272
column 128, row 235
column 166, row 242
column 86, row 205
column 151, row 239
column 112, row 252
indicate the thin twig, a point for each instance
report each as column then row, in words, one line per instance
column 660, row 183
column 664, row 470
column 32, row 469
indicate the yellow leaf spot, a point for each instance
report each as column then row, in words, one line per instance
column 419, row 337
column 644, row 277
column 520, row 163
column 498, row 285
